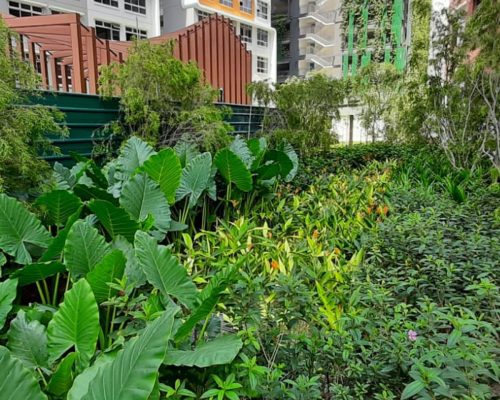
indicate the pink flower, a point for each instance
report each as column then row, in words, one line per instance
column 412, row 335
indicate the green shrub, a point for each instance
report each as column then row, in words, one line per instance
column 23, row 130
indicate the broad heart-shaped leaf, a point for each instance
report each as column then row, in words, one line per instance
column 111, row 267
column 233, row 170
column 282, row 159
column 268, row 171
column 133, row 271
column 195, row 178
column 132, row 374
column 19, row 228
column 141, row 196
column 241, row 149
column 32, row 273
column 165, row 169
column 163, row 270
column 258, row 147
column 84, row 249
column 115, row 220
column 27, row 341
column 59, row 206
column 8, row 291
column 61, row 380
column 17, row 382
column 81, row 383
column 219, row 351
column 91, row 169
column 87, row 193
column 57, row 245
column 292, row 155
column 186, row 152
column 133, row 154
column 75, row 325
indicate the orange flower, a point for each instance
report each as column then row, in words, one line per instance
column 369, row 210
column 275, row 265
column 385, row 210
column 315, row 234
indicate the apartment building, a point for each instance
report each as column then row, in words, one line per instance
column 112, row 19
column 251, row 20
column 309, row 37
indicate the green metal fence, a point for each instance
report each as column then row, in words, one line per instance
column 85, row 115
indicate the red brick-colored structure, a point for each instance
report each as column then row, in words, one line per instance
column 468, row 5
column 68, row 54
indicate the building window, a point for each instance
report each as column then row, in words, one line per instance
column 245, row 33
column 262, row 65
column 202, row 15
column 262, row 37
column 112, row 3
column 23, row 10
column 228, row 3
column 312, row 66
column 137, row 6
column 131, row 33
column 262, row 9
column 107, row 30
column 246, row 6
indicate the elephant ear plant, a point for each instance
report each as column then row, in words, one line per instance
column 91, row 305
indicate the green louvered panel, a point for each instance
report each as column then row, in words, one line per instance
column 366, row 58
column 400, row 59
column 345, row 65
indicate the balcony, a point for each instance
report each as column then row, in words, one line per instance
column 319, row 39
column 323, row 17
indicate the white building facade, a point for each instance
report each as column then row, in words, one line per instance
column 113, row 19
column 251, row 20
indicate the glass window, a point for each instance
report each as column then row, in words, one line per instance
column 246, row 6
column 107, row 30
column 246, row 33
column 138, row 6
column 262, row 37
column 202, row 15
column 131, row 33
column 23, row 10
column 262, row 66
column 228, row 3
column 113, row 3
column 262, row 9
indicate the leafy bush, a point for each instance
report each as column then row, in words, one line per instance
column 164, row 100
column 23, row 129
column 302, row 111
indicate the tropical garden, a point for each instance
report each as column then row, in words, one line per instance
column 182, row 261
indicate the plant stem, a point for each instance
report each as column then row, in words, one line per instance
column 40, row 292
column 111, row 327
column 56, row 289
column 47, row 291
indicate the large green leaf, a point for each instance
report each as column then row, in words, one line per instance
column 8, row 291
column 133, row 154
column 241, row 149
column 233, row 169
column 219, row 351
column 195, row 178
column 165, row 169
column 81, row 383
column 115, row 220
column 282, row 159
column 87, row 193
column 17, row 382
column 141, row 197
column 288, row 149
column 91, row 169
column 163, row 270
column 60, row 382
column 59, row 206
column 32, row 273
column 186, row 152
column 84, row 249
column 132, row 375
column 258, row 147
column 133, row 271
column 111, row 267
column 27, row 341
column 19, row 229
column 57, row 245
column 75, row 326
